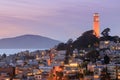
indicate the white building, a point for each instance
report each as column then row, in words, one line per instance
column 109, row 44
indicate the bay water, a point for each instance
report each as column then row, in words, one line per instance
column 14, row 51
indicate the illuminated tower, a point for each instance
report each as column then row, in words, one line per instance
column 96, row 25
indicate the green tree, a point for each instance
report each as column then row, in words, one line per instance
column 69, row 50
column 61, row 46
column 4, row 55
column 105, row 32
column 92, row 55
column 106, row 59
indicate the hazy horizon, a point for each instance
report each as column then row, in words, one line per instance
column 28, row 35
column 56, row 19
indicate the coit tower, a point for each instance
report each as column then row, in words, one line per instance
column 96, row 25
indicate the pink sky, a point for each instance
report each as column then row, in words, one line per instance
column 57, row 19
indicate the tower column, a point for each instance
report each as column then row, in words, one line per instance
column 96, row 25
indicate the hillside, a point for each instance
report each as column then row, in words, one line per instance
column 28, row 41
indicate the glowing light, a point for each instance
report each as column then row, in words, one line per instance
column 73, row 64
column 96, row 25
column 107, row 42
column 96, row 76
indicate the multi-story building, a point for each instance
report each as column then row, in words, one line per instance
column 111, row 69
column 114, row 71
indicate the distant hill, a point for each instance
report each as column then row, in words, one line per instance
column 27, row 41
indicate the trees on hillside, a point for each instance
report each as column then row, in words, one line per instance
column 69, row 50
column 106, row 37
column 88, row 39
column 93, row 55
column 61, row 46
column 105, row 32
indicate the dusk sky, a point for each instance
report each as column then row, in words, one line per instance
column 57, row 19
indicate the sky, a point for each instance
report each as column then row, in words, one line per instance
column 57, row 19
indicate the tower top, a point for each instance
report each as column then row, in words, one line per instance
column 96, row 14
